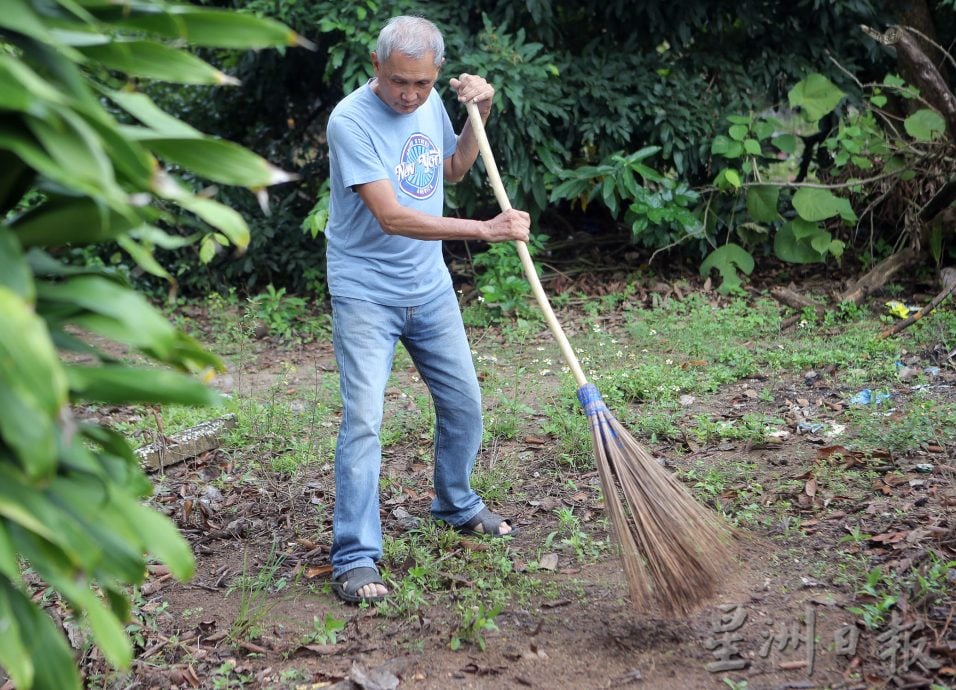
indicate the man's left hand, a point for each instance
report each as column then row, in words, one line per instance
column 472, row 88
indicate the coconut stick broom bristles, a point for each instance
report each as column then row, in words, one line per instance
column 674, row 549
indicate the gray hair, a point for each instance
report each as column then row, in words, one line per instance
column 414, row 37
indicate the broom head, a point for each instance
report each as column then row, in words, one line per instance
column 674, row 549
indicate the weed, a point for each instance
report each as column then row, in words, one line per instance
column 431, row 562
column 474, row 622
column 494, row 483
column 325, row 632
column 225, row 677
column 931, row 581
column 572, row 538
column 254, row 603
column 503, row 421
column 570, row 430
column 877, row 590
column 286, row 317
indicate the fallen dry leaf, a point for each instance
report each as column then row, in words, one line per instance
column 318, row 570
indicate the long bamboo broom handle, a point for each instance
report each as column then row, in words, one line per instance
column 478, row 128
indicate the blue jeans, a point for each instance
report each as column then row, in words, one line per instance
column 365, row 336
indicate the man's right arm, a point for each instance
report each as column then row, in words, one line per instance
column 395, row 219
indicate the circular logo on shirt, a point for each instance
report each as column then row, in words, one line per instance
column 418, row 173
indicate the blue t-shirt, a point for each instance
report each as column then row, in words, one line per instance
column 369, row 141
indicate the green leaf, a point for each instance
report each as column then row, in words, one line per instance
column 14, row 270
column 726, row 147
column 51, row 658
column 9, row 560
column 788, row 248
column 786, row 143
column 155, row 61
column 762, row 203
column 144, row 109
column 71, row 220
column 727, row 179
column 16, row 179
column 152, row 235
column 143, row 256
column 74, row 145
column 160, row 537
column 817, row 95
column 23, row 505
column 22, row 89
column 815, row 204
column 752, row 146
column 207, row 249
column 20, row 17
column 804, row 229
column 32, row 385
column 925, row 125
column 894, row 81
column 125, row 314
column 738, row 132
column 119, row 385
column 215, row 159
column 728, row 259
column 14, row 656
column 765, row 128
column 204, row 27
column 108, row 631
column 821, row 242
column 836, row 248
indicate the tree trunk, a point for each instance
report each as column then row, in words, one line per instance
column 917, row 14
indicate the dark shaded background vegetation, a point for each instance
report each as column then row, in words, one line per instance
column 577, row 83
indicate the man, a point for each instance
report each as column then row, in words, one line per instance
column 391, row 147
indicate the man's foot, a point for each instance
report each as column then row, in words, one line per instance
column 360, row 585
column 486, row 522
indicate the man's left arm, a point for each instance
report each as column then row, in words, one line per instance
column 470, row 87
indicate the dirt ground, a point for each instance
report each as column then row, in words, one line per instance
column 780, row 620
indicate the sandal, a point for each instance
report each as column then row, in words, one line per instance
column 347, row 585
column 490, row 525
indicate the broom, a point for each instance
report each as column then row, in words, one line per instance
column 674, row 550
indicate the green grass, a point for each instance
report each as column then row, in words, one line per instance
column 431, row 564
column 644, row 362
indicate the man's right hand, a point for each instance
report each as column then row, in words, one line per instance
column 509, row 225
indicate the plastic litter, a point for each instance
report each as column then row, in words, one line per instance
column 809, row 427
column 900, row 310
column 866, row 397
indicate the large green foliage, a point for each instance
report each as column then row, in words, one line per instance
column 865, row 165
column 578, row 83
column 87, row 158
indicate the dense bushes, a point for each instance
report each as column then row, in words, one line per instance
column 577, row 83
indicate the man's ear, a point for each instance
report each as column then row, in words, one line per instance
column 374, row 57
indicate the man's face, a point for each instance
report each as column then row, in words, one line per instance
column 404, row 83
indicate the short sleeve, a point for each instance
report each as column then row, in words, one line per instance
column 354, row 153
